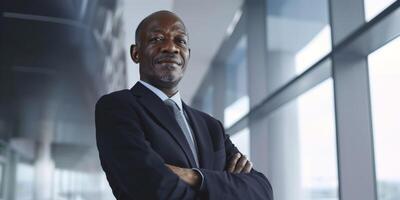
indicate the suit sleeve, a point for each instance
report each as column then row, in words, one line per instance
column 133, row 169
column 226, row 185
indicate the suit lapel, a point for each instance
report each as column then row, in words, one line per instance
column 154, row 105
column 202, row 136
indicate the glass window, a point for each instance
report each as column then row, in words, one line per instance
column 314, row 50
column 298, row 35
column 207, row 101
column 237, row 99
column 374, row 7
column 78, row 184
column 303, row 140
column 25, row 181
column 318, row 143
column 384, row 72
column 236, row 96
column 236, row 110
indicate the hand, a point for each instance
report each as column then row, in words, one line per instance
column 238, row 164
column 189, row 176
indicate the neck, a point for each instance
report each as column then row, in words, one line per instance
column 169, row 91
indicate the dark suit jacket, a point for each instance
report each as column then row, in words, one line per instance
column 136, row 134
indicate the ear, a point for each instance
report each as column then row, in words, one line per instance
column 134, row 53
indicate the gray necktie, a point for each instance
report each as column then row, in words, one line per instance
column 181, row 121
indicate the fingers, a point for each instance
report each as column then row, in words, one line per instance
column 232, row 163
column 247, row 168
column 171, row 167
column 241, row 163
column 175, row 169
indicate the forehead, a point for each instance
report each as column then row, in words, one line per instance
column 165, row 23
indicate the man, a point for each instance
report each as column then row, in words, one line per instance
column 152, row 145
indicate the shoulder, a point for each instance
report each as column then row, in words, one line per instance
column 117, row 98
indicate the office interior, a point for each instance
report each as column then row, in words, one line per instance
column 307, row 89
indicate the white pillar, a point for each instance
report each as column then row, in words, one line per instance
column 44, row 165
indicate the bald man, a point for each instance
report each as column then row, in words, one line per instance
column 154, row 146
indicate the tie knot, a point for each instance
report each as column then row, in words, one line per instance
column 171, row 104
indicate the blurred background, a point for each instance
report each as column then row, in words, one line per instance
column 308, row 89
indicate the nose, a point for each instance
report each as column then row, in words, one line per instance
column 169, row 46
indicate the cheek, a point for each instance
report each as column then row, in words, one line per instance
column 149, row 53
column 186, row 55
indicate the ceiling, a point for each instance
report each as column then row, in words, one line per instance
column 44, row 85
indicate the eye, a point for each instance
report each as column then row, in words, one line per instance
column 182, row 41
column 155, row 39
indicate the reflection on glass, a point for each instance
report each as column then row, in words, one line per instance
column 304, row 145
column 237, row 100
column 374, row 7
column 241, row 140
column 384, row 72
column 298, row 35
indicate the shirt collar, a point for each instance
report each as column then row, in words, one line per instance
column 176, row 97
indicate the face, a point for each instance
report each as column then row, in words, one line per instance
column 162, row 51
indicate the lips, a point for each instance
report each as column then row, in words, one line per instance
column 168, row 60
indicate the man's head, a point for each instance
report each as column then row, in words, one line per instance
column 161, row 49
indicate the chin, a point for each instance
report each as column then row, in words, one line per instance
column 169, row 80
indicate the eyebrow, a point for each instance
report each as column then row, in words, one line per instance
column 179, row 29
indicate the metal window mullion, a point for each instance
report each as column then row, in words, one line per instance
column 257, row 83
column 352, row 105
column 353, row 126
column 219, row 92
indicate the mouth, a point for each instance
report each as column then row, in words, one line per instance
column 169, row 61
